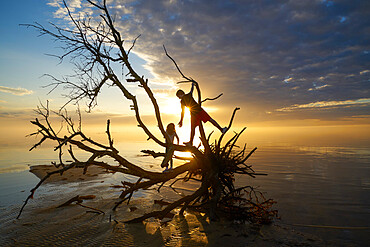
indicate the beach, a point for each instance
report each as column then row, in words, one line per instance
column 322, row 201
column 43, row 223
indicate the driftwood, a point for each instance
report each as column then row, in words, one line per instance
column 214, row 165
column 77, row 199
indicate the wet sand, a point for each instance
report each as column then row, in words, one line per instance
column 72, row 175
column 44, row 224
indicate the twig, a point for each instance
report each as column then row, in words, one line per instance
column 133, row 44
column 77, row 199
column 177, row 67
column 228, row 127
column 90, row 208
column 212, row 98
column 110, row 140
column 132, row 192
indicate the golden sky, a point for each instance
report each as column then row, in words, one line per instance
column 297, row 67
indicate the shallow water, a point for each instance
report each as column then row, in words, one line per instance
column 320, row 186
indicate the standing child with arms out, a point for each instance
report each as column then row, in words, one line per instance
column 196, row 112
column 171, row 134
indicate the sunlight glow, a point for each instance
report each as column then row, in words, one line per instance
column 184, row 131
column 171, row 106
column 184, row 154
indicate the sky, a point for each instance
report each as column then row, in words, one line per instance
column 284, row 63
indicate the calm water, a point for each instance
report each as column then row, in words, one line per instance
column 313, row 185
column 321, row 186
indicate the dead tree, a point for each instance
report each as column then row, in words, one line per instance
column 94, row 47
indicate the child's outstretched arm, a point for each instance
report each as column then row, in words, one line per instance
column 192, row 87
column 182, row 115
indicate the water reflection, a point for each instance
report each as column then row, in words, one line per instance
column 314, row 185
column 318, row 186
column 359, row 152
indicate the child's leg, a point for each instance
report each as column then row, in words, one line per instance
column 165, row 162
column 192, row 134
column 215, row 124
column 223, row 130
column 171, row 163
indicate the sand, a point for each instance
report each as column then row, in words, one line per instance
column 44, row 224
column 72, row 175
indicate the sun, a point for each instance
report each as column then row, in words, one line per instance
column 171, row 105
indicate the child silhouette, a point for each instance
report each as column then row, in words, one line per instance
column 171, row 134
column 196, row 112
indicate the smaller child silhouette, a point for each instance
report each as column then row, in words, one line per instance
column 171, row 134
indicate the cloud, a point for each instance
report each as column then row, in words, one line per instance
column 16, row 113
column 328, row 104
column 16, row 91
column 318, row 87
column 75, row 6
column 288, row 80
column 260, row 54
column 72, row 4
column 164, row 93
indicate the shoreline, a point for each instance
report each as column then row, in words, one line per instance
column 41, row 216
column 43, row 223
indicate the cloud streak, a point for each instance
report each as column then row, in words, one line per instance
column 15, row 91
column 328, row 104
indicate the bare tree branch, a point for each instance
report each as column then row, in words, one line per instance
column 212, row 98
